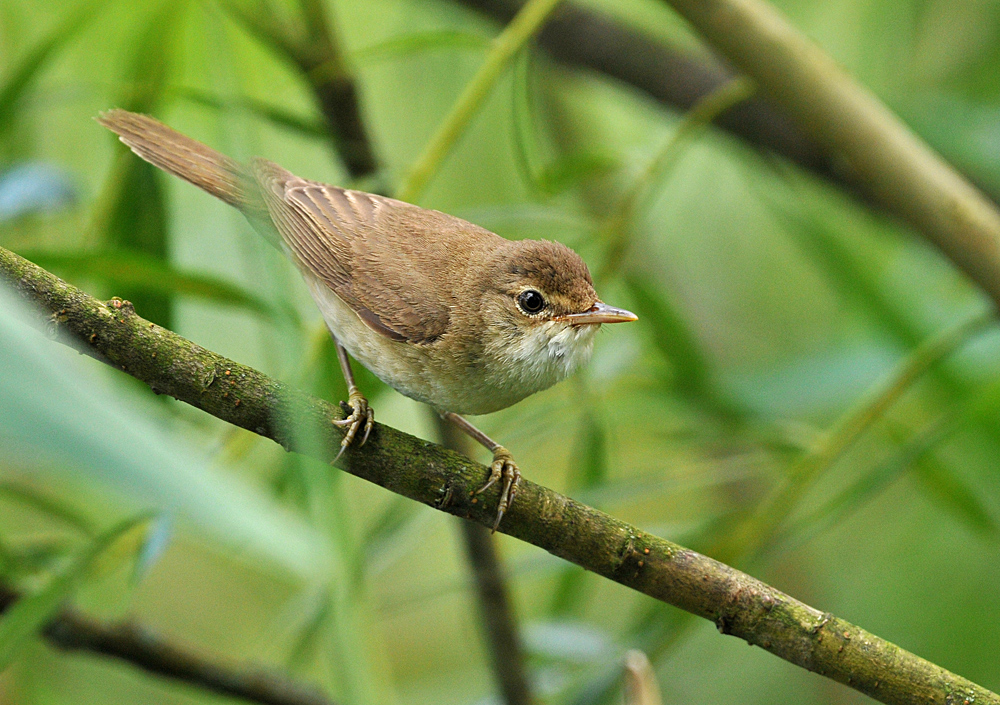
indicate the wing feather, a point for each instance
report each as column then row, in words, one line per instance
column 349, row 241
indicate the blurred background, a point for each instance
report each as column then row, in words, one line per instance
column 811, row 392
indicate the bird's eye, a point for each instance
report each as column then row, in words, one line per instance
column 531, row 301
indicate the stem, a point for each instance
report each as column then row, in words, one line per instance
column 499, row 622
column 874, row 147
column 313, row 48
column 524, row 26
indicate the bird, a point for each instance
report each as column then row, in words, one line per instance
column 442, row 310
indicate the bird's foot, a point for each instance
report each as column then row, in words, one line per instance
column 503, row 468
column 359, row 414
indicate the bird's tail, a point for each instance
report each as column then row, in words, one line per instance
column 181, row 156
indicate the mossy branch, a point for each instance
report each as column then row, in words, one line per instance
column 737, row 603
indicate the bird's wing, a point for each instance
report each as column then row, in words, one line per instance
column 352, row 242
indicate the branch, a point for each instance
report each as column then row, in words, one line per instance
column 878, row 152
column 586, row 38
column 71, row 631
column 737, row 603
column 323, row 63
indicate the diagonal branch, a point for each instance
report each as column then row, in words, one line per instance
column 586, row 38
column 877, row 151
column 71, row 631
column 737, row 603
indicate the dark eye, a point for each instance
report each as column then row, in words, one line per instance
column 531, row 301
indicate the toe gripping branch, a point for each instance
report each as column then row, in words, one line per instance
column 359, row 414
column 503, row 468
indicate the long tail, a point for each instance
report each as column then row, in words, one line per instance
column 182, row 156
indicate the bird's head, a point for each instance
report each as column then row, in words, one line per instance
column 542, row 312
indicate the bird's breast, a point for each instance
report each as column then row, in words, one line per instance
column 465, row 377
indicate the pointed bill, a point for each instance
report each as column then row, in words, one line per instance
column 600, row 313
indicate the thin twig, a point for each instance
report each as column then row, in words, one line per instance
column 737, row 603
column 72, row 631
column 499, row 622
column 336, row 91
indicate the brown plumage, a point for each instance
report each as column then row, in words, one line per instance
column 443, row 310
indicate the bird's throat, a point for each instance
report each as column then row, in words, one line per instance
column 545, row 354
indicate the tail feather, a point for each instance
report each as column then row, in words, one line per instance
column 182, row 156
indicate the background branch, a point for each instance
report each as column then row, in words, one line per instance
column 584, row 37
column 499, row 623
column 72, row 631
column 314, row 49
column 881, row 154
column 737, row 603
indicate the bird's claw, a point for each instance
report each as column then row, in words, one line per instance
column 503, row 468
column 359, row 414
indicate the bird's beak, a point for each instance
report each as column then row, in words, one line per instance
column 600, row 313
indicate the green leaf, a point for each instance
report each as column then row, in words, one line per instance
column 260, row 19
column 28, row 558
column 40, row 501
column 134, row 213
column 940, row 483
column 27, row 617
column 671, row 336
column 588, row 469
column 571, row 170
column 71, row 429
column 154, row 545
column 124, row 269
column 854, row 279
column 408, row 44
column 590, row 459
column 393, row 532
column 22, row 77
column 679, row 346
column 307, row 127
column 945, row 487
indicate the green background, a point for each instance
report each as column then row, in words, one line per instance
column 771, row 305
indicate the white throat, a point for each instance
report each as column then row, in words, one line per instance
column 547, row 354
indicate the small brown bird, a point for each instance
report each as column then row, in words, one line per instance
column 440, row 309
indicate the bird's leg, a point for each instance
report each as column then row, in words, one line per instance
column 359, row 413
column 503, row 466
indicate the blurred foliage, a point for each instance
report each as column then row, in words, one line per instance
column 774, row 312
